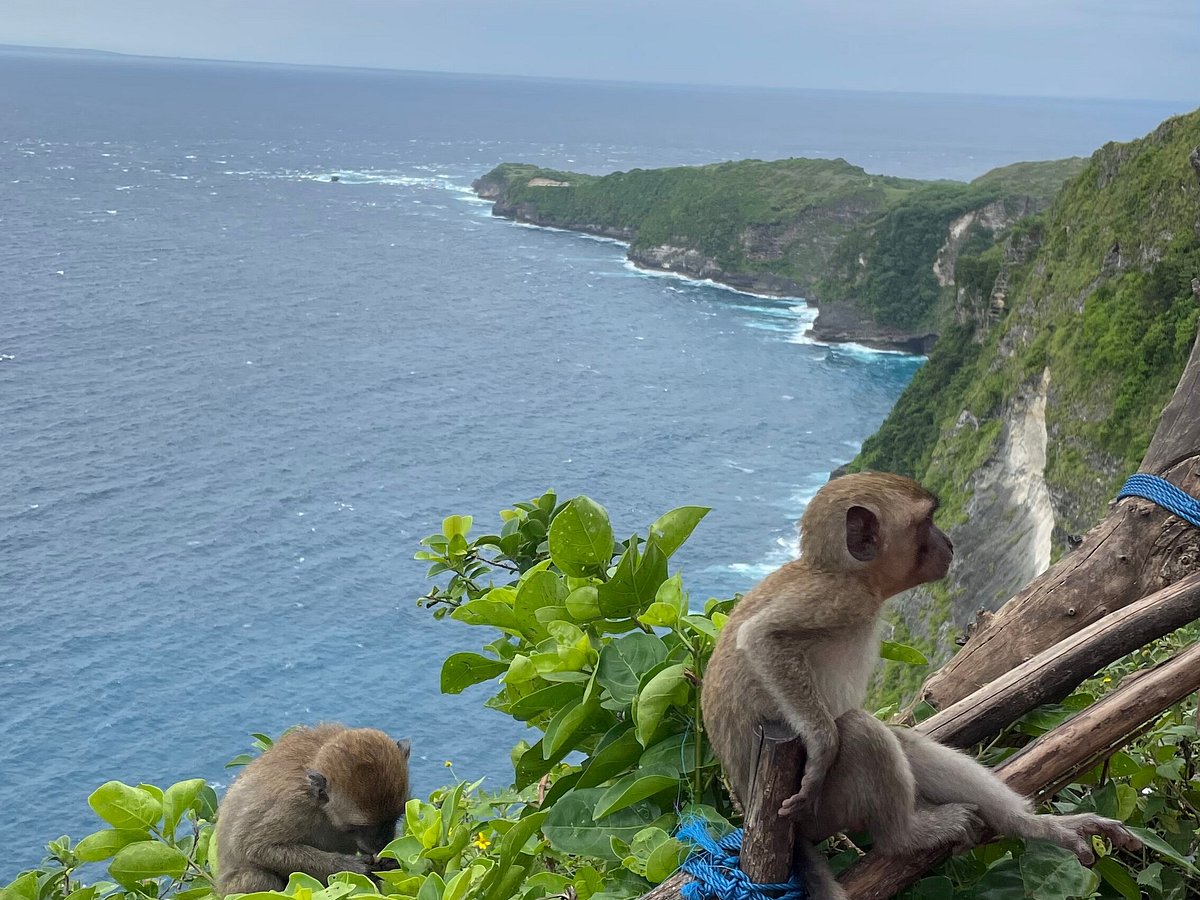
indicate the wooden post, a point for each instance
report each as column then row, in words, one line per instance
column 767, row 847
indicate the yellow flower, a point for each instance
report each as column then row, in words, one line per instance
column 1107, row 679
column 481, row 842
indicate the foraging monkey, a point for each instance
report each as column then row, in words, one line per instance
column 800, row 647
column 308, row 804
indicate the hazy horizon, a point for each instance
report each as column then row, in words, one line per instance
column 1069, row 49
column 1186, row 103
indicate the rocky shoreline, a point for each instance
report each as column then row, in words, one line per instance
column 835, row 323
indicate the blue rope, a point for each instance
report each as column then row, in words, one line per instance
column 713, row 866
column 1165, row 494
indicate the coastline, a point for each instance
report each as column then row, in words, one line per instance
column 833, row 338
column 839, row 328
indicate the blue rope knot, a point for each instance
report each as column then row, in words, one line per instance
column 713, row 865
column 1165, row 494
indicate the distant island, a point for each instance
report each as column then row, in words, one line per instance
column 873, row 253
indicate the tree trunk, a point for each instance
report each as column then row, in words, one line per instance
column 1138, row 549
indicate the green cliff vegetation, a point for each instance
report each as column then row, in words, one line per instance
column 823, row 228
column 1097, row 289
column 1091, row 305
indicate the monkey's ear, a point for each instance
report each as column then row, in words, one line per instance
column 318, row 787
column 862, row 533
column 405, row 746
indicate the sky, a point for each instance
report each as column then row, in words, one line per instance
column 1129, row 49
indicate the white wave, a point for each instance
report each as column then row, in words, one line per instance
column 849, row 348
column 704, row 282
column 733, row 465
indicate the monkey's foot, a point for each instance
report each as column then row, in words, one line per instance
column 1075, row 834
column 953, row 826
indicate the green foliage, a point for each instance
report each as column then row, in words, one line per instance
column 605, row 666
column 157, row 844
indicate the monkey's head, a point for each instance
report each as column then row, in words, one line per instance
column 359, row 779
column 879, row 526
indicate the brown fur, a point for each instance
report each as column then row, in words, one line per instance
column 800, row 648
column 308, row 804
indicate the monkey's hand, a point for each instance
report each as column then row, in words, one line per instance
column 383, row 864
column 359, row 865
column 802, row 805
column 1075, row 834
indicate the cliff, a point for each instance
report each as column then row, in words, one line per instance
column 1066, row 337
column 862, row 248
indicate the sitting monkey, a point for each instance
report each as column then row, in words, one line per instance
column 800, row 647
column 308, row 804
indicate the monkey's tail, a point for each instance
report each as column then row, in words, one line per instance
column 818, row 877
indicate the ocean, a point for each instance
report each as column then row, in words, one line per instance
column 235, row 394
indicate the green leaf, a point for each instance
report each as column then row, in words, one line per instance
column 634, row 788
column 566, row 723
column 461, row 670
column 122, row 806
column 611, row 757
column 624, row 661
column 572, row 828
column 902, row 653
column 1162, row 848
column 635, row 583
column 659, row 615
column 676, row 752
column 177, row 800
column 146, row 859
column 511, row 845
column 666, row 689
column 459, row 526
column 1000, row 882
column 488, row 612
column 105, row 844
column 1049, row 872
column 939, row 887
column 583, row 603
column 23, row 888
column 701, row 626
column 1118, row 877
column 581, row 537
column 432, row 888
column 665, row 860
column 539, row 590
column 671, row 529
column 554, row 697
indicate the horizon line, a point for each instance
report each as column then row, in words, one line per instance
column 4, row 46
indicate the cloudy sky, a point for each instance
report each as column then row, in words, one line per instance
column 1088, row 48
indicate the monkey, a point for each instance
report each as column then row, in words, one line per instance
column 308, row 804
column 799, row 648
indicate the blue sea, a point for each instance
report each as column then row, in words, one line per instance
column 235, row 394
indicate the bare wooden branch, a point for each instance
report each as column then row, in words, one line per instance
column 1139, row 548
column 1070, row 748
column 1054, row 673
column 767, row 846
